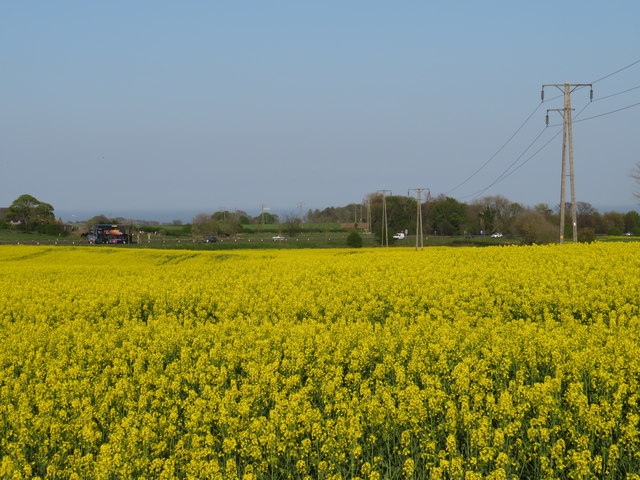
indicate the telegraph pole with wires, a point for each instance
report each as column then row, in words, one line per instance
column 368, row 200
column 419, row 235
column 263, row 208
column 567, row 143
column 300, row 205
column 385, row 227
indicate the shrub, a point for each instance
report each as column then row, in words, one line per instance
column 535, row 228
column 586, row 235
column 354, row 240
column 52, row 229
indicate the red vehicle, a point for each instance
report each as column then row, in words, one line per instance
column 109, row 234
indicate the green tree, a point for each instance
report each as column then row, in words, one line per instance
column 534, row 227
column 613, row 223
column 203, row 224
column 228, row 222
column 401, row 214
column 292, row 225
column 30, row 212
column 494, row 214
column 354, row 240
column 543, row 209
column 631, row 221
column 267, row 218
column 585, row 213
column 586, row 235
column 491, row 210
column 350, row 213
column 98, row 219
column 447, row 216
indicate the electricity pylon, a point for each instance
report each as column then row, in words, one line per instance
column 567, row 141
column 419, row 235
column 385, row 226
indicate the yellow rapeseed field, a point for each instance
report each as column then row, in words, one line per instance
column 485, row 363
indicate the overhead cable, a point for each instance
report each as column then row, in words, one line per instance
column 607, row 113
column 617, row 93
column 510, row 170
column 617, row 71
column 503, row 174
column 497, row 151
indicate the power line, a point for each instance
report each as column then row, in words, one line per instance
column 552, row 98
column 545, row 145
column 511, row 169
column 534, row 154
column 497, row 152
column 600, row 114
column 617, row 93
column 575, row 116
column 506, row 173
column 607, row 113
column 567, row 153
column 617, row 71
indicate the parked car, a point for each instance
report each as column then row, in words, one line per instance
column 399, row 236
column 496, row 235
column 210, row 239
column 279, row 238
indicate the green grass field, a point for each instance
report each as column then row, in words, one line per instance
column 262, row 237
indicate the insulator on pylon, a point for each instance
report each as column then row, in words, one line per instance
column 547, row 119
column 542, row 95
column 591, row 95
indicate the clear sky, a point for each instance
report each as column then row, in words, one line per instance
column 167, row 109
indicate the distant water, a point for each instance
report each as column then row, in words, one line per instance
column 162, row 216
column 186, row 215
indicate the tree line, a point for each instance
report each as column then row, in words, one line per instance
column 445, row 215
column 28, row 214
column 442, row 215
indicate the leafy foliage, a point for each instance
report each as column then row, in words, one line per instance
column 447, row 216
column 400, row 211
column 354, row 240
column 29, row 212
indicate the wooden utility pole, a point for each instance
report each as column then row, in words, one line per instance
column 567, row 142
column 419, row 235
column 300, row 205
column 385, row 226
column 368, row 206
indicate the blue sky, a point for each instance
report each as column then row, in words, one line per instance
column 168, row 109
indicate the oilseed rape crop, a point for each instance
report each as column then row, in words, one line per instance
column 485, row 363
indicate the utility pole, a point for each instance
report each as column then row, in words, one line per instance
column 567, row 142
column 419, row 234
column 300, row 205
column 385, row 227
